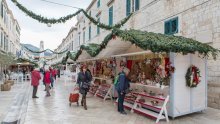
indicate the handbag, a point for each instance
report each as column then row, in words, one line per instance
column 85, row 85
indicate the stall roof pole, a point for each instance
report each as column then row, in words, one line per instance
column 131, row 54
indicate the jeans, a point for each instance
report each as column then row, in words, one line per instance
column 34, row 91
column 121, row 98
column 52, row 83
column 48, row 89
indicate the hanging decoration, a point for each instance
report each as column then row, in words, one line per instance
column 157, row 43
column 50, row 21
column 45, row 51
column 192, row 76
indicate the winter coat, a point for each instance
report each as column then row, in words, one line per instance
column 35, row 77
column 123, row 83
column 84, row 78
column 47, row 77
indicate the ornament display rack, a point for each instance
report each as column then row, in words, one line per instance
column 103, row 90
column 158, row 112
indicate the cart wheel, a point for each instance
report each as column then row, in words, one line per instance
column 70, row 104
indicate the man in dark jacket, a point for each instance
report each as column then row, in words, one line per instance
column 122, row 88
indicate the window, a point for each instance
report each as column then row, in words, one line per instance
column 84, row 36
column 137, row 4
column 132, row 6
column 1, row 39
column 79, row 39
column 128, row 7
column 111, row 16
column 171, row 26
column 98, row 3
column 98, row 28
column 2, row 10
column 5, row 44
column 90, row 32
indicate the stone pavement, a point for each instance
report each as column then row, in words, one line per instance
column 11, row 102
column 56, row 110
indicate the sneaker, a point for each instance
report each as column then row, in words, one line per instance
column 34, row 97
column 48, row 95
column 124, row 113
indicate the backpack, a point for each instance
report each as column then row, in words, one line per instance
column 116, row 80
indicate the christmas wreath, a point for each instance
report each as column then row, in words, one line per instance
column 192, row 76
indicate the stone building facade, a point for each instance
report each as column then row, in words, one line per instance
column 10, row 31
column 197, row 19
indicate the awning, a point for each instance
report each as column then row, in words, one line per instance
column 129, row 41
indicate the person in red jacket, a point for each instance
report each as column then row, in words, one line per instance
column 47, row 81
column 35, row 77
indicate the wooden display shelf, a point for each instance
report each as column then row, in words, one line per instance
column 99, row 95
column 129, row 99
column 148, row 113
column 150, row 86
column 149, row 96
column 137, row 107
column 150, row 106
column 126, row 105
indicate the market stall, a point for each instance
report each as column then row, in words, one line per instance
column 168, row 73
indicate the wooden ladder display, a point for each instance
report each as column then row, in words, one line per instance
column 156, row 112
column 103, row 88
column 108, row 93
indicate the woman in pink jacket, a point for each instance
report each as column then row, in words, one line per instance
column 35, row 77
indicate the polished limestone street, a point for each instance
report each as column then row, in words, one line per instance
column 56, row 110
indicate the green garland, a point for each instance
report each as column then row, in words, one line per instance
column 45, row 51
column 151, row 41
column 192, row 79
column 68, row 17
column 26, row 60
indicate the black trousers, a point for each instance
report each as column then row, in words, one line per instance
column 34, row 91
column 121, row 98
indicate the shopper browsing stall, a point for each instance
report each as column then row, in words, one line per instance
column 122, row 88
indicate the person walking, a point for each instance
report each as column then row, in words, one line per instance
column 122, row 88
column 55, row 74
column 35, row 77
column 47, row 81
column 83, row 80
column 52, row 76
column 58, row 73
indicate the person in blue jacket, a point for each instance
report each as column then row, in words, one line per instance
column 122, row 88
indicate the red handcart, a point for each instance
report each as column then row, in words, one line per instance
column 74, row 97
